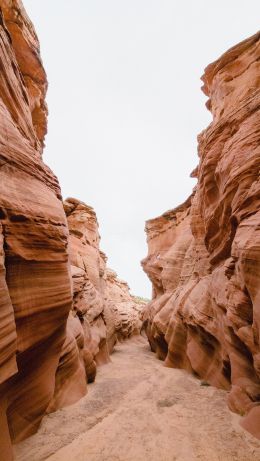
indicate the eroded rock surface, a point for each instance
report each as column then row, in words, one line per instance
column 47, row 353
column 204, row 256
column 102, row 302
column 35, row 289
column 126, row 309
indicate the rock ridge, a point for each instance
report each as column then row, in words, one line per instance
column 58, row 315
column 101, row 300
column 204, row 256
column 35, row 293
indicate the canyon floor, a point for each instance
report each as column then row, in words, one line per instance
column 139, row 410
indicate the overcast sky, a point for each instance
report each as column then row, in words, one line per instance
column 125, row 105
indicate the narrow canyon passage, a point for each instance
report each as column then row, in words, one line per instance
column 66, row 316
column 139, row 410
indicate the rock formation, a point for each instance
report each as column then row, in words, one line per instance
column 35, row 288
column 101, row 301
column 204, row 256
column 126, row 309
column 51, row 333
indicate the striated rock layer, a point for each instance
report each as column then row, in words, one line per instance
column 125, row 308
column 101, row 302
column 55, row 320
column 204, row 256
column 35, row 288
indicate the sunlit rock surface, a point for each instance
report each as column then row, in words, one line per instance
column 35, row 287
column 204, row 256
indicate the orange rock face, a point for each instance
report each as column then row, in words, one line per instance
column 56, row 318
column 35, row 287
column 87, row 270
column 102, row 302
column 204, row 256
column 125, row 309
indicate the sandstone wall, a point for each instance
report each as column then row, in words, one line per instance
column 125, row 308
column 57, row 319
column 102, row 302
column 204, row 256
column 35, row 287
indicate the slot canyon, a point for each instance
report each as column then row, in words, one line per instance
column 89, row 371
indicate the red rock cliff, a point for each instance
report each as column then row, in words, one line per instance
column 102, row 302
column 35, row 287
column 204, row 256
column 57, row 319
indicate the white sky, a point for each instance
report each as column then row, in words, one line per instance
column 126, row 107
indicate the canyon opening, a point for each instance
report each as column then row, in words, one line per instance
column 89, row 369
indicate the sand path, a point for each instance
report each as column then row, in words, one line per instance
column 139, row 410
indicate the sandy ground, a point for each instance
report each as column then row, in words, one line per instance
column 139, row 410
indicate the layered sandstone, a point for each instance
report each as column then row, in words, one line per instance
column 125, row 308
column 35, row 288
column 57, row 319
column 101, row 301
column 204, row 256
